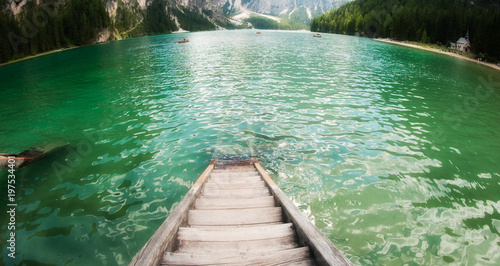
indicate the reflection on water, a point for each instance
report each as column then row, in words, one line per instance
column 392, row 152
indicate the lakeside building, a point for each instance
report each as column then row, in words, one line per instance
column 463, row 44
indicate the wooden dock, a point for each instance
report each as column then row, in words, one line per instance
column 236, row 215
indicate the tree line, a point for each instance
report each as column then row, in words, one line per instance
column 54, row 24
column 429, row 21
column 49, row 26
column 260, row 22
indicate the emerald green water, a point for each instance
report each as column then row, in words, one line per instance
column 391, row 152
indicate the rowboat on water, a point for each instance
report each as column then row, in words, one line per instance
column 236, row 215
column 24, row 158
column 317, row 35
column 183, row 40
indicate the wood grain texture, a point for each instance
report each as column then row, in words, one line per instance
column 233, row 203
column 229, row 180
column 250, row 258
column 236, row 193
column 234, row 216
column 236, row 247
column 242, row 185
column 224, row 233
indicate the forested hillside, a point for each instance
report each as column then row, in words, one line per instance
column 50, row 26
column 29, row 27
column 434, row 21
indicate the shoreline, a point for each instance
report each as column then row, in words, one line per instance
column 38, row 55
column 69, row 48
column 437, row 51
column 409, row 45
column 74, row 47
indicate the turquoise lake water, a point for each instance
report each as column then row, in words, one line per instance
column 392, row 152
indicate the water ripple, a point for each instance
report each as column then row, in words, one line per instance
column 348, row 128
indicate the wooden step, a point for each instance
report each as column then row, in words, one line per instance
column 234, row 180
column 236, row 247
column 230, row 233
column 251, row 258
column 233, row 203
column 242, row 179
column 234, row 216
column 228, row 177
column 235, row 175
column 234, row 225
column 215, row 185
column 304, row 262
column 233, row 171
column 235, row 193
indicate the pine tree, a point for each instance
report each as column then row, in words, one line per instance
column 425, row 38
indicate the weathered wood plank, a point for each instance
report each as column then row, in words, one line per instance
column 234, row 225
column 164, row 237
column 234, row 216
column 324, row 251
column 236, row 247
column 236, row 193
column 235, row 170
column 235, row 190
column 224, row 233
column 233, row 203
column 256, row 174
column 227, row 176
column 243, row 185
column 304, row 262
column 250, row 258
column 235, row 180
column 236, row 173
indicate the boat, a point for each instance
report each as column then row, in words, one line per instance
column 235, row 214
column 259, row 32
column 317, row 35
column 183, row 40
column 24, row 158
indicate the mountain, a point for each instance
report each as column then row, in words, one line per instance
column 291, row 14
column 28, row 27
column 433, row 21
column 279, row 7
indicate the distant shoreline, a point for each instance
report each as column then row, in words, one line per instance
column 491, row 65
column 73, row 47
column 37, row 55
column 69, row 48
column 438, row 51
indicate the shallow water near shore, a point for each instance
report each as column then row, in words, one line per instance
column 392, row 152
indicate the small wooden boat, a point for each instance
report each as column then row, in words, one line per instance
column 236, row 215
column 183, row 40
column 29, row 156
column 259, row 32
column 22, row 159
column 317, row 35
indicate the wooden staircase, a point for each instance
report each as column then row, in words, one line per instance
column 235, row 221
column 235, row 214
